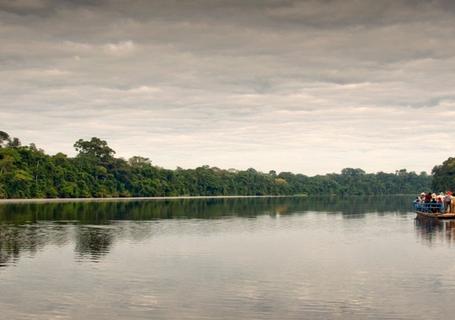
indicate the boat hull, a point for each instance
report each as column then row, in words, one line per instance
column 439, row 216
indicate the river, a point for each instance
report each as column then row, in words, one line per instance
column 249, row 258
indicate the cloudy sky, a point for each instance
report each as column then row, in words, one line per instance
column 302, row 86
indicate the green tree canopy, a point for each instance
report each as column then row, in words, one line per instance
column 28, row 172
column 444, row 176
column 94, row 148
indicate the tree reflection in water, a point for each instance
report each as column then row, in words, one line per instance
column 94, row 241
column 94, row 226
column 30, row 238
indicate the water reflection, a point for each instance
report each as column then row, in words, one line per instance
column 435, row 231
column 94, row 226
column 30, row 237
column 326, row 258
column 93, row 242
column 104, row 212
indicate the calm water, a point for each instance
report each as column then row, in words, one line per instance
column 286, row 258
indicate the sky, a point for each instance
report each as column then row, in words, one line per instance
column 304, row 86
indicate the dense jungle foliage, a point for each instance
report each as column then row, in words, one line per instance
column 444, row 176
column 27, row 172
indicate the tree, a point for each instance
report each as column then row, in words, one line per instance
column 4, row 139
column 352, row 172
column 139, row 162
column 95, row 148
column 14, row 143
column 444, row 176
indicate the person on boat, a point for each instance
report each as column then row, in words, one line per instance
column 417, row 204
column 427, row 197
column 448, row 201
column 440, row 202
column 433, row 203
column 440, row 197
column 452, row 203
column 422, row 197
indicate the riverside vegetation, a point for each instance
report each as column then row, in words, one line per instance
column 28, row 172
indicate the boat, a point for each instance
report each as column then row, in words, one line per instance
column 436, row 215
column 432, row 211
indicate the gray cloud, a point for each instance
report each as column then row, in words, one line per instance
column 304, row 86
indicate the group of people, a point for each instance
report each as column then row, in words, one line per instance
column 442, row 202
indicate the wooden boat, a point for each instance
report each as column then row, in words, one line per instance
column 437, row 215
column 432, row 210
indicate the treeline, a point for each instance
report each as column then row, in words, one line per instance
column 28, row 172
column 444, row 176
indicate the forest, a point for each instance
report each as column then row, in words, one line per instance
column 444, row 175
column 28, row 172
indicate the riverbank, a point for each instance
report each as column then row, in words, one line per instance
column 54, row 200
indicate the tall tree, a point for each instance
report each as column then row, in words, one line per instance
column 95, row 148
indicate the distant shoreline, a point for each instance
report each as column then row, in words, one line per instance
column 112, row 199
column 56, row 200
